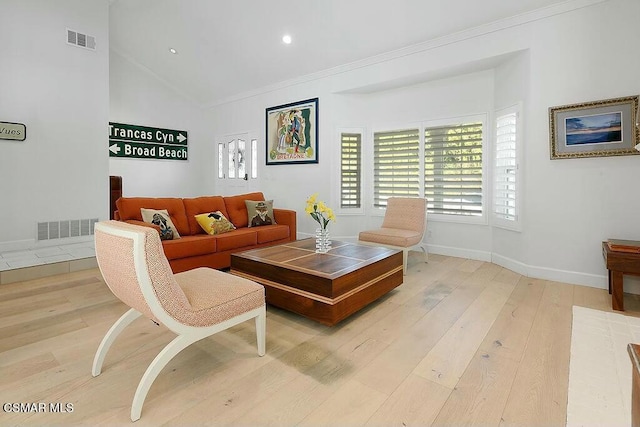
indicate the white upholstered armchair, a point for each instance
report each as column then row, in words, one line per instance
column 405, row 221
column 194, row 304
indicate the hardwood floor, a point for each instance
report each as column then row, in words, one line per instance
column 461, row 342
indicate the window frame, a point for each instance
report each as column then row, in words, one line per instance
column 497, row 221
column 370, row 161
column 339, row 210
column 486, row 155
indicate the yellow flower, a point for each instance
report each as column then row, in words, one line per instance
column 319, row 211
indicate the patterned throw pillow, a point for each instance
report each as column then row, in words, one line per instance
column 161, row 218
column 260, row 213
column 214, row 223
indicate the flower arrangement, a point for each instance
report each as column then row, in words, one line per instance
column 320, row 212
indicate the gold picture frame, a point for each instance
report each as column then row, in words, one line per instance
column 594, row 129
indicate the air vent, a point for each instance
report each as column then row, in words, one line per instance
column 65, row 230
column 81, row 40
column 52, row 230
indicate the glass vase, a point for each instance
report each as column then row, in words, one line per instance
column 323, row 244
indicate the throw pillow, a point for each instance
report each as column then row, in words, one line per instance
column 260, row 213
column 161, row 218
column 214, row 223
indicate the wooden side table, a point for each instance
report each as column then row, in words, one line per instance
column 619, row 264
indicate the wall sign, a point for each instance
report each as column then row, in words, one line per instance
column 143, row 142
column 13, row 131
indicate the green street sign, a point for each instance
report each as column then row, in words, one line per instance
column 143, row 142
column 138, row 150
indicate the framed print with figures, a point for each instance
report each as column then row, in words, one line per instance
column 292, row 133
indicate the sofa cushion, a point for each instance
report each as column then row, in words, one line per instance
column 161, row 218
column 236, row 239
column 199, row 205
column 129, row 208
column 237, row 209
column 259, row 213
column 214, row 223
column 189, row 246
column 271, row 233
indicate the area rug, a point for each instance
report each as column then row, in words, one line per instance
column 600, row 368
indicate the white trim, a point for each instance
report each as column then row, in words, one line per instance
column 502, row 24
column 486, row 148
column 553, row 274
column 459, row 252
column 370, row 159
column 156, row 76
column 337, row 171
column 512, row 225
column 544, row 273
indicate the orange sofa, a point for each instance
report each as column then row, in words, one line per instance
column 195, row 248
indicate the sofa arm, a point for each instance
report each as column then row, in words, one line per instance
column 143, row 224
column 287, row 217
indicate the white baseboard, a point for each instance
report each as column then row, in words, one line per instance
column 554, row 274
column 631, row 284
column 459, row 252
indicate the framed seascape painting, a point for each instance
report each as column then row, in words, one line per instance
column 594, row 129
column 292, row 133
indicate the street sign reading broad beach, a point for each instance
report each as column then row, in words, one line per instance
column 142, row 142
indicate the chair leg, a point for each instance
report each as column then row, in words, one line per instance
column 405, row 256
column 178, row 344
column 124, row 321
column 426, row 254
column 261, row 331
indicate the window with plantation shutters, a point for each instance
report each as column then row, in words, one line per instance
column 350, row 170
column 505, row 170
column 396, row 165
column 453, row 181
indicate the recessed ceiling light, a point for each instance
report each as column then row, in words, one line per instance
column 286, row 39
column 172, row 50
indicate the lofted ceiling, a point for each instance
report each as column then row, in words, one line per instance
column 229, row 47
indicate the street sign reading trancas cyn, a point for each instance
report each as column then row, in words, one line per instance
column 143, row 142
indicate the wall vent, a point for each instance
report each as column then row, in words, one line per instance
column 52, row 230
column 81, row 40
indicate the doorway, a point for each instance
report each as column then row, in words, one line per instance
column 237, row 163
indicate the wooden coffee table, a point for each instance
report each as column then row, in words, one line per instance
column 324, row 287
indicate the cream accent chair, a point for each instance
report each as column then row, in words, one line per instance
column 405, row 221
column 194, row 304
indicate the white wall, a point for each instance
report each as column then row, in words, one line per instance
column 573, row 205
column 61, row 93
column 139, row 98
column 569, row 56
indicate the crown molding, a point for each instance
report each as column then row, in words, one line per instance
column 500, row 25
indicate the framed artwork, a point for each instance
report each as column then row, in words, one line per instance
column 292, row 133
column 594, row 129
